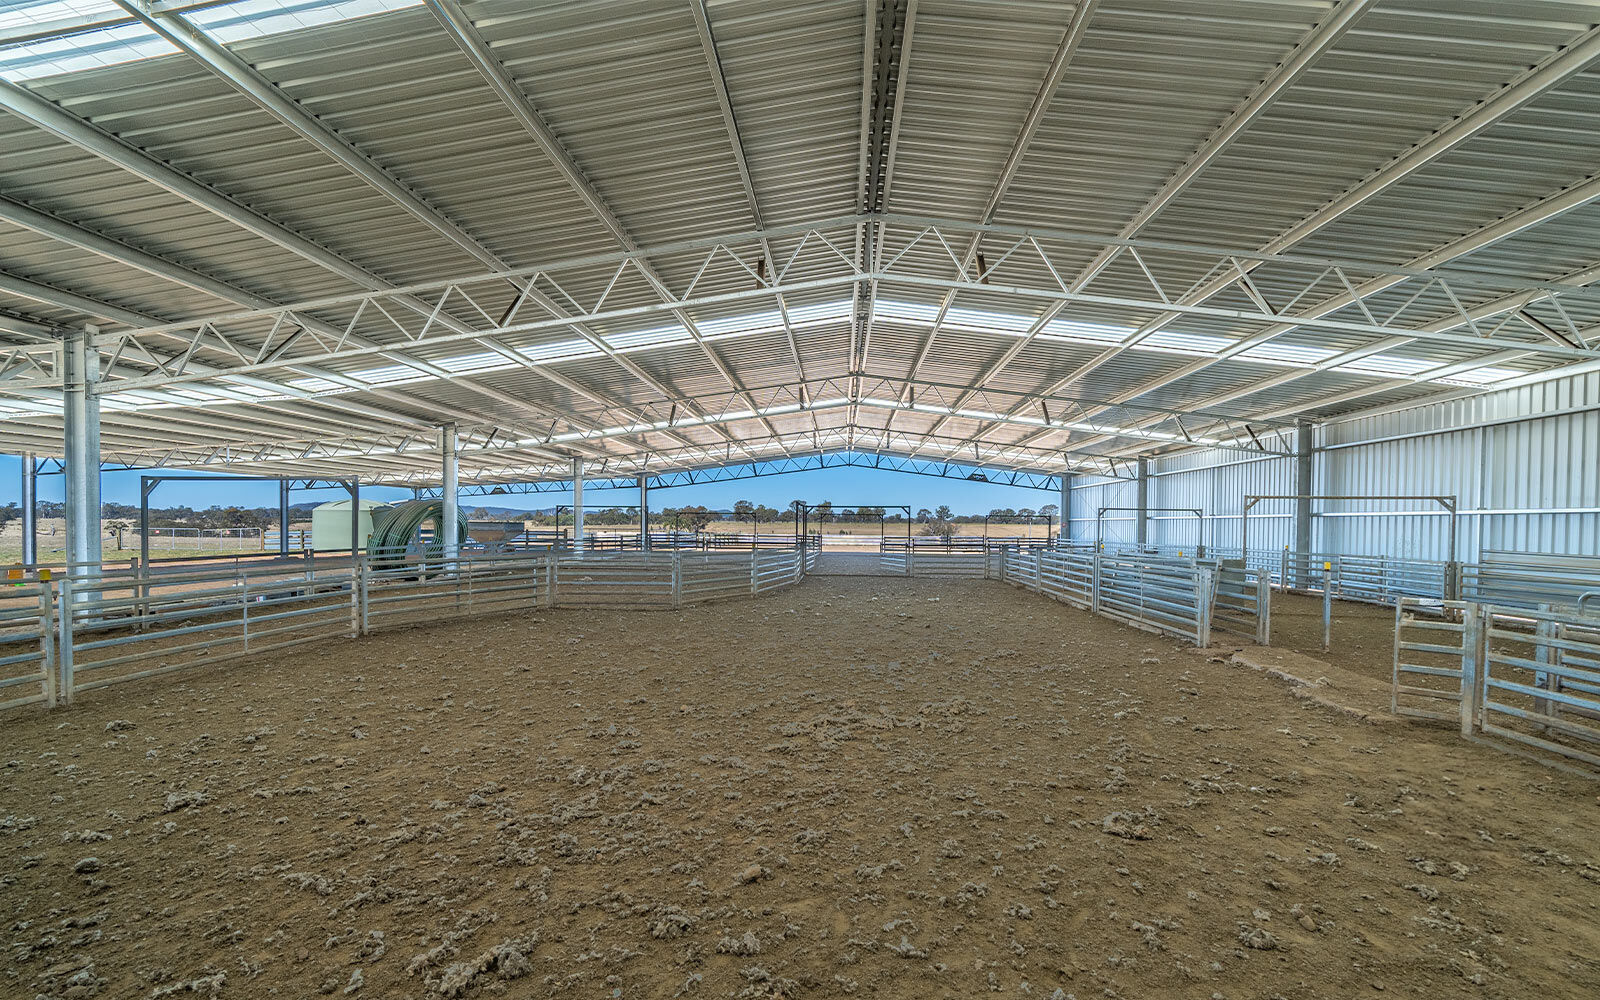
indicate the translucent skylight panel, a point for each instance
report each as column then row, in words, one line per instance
column 821, row 312
column 913, row 312
column 124, row 43
column 1481, row 376
column 1389, row 364
column 984, row 319
column 644, row 338
column 1188, row 342
column 480, row 362
column 1299, row 354
column 749, row 323
column 559, row 349
column 1100, row 333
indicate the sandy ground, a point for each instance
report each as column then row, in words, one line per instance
column 860, row 786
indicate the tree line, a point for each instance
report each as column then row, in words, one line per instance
column 216, row 516
column 692, row 517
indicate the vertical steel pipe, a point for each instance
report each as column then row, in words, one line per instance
column 1142, row 524
column 1303, row 482
column 644, row 513
column 283, row 517
column 30, row 510
column 1066, row 507
column 449, row 492
column 81, row 438
column 577, row 505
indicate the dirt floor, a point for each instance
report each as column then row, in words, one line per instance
column 864, row 786
column 1363, row 634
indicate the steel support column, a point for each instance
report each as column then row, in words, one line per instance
column 30, row 510
column 450, row 486
column 1302, row 505
column 577, row 505
column 644, row 513
column 1142, row 503
column 1066, row 506
column 283, row 517
column 81, row 463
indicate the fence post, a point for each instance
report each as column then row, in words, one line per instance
column 64, row 647
column 1452, row 581
column 755, row 578
column 1283, row 570
column 1543, row 633
column 244, row 607
column 1205, row 591
column 1327, row 604
column 47, row 652
column 1094, row 582
column 361, row 584
column 551, row 574
column 141, row 591
column 356, row 603
column 1472, row 649
column 1038, row 571
column 677, row 578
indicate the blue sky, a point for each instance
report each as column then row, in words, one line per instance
column 846, row 485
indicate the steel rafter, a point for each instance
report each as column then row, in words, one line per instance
column 46, row 115
column 1505, row 100
column 758, row 470
column 1026, row 271
column 512, row 96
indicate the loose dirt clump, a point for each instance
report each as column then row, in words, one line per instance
column 844, row 789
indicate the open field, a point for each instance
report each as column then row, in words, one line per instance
column 52, row 542
column 859, row 786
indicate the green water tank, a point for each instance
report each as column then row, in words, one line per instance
column 330, row 525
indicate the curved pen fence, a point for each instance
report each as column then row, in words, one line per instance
column 1189, row 597
column 68, row 635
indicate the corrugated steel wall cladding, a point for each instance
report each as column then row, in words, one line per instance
column 1089, row 495
column 1539, row 453
column 1219, row 492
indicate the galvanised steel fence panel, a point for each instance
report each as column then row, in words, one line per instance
column 27, row 645
column 1169, row 595
column 1529, row 580
column 1430, row 646
column 1066, row 576
column 427, row 588
column 1243, row 603
column 1540, row 681
column 772, row 570
column 709, row 576
column 68, row 635
column 130, row 627
column 936, row 564
column 606, row 580
column 1174, row 596
column 1368, row 579
column 1524, row 678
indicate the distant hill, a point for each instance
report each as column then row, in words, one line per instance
column 466, row 506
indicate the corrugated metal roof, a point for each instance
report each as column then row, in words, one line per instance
column 1363, row 138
